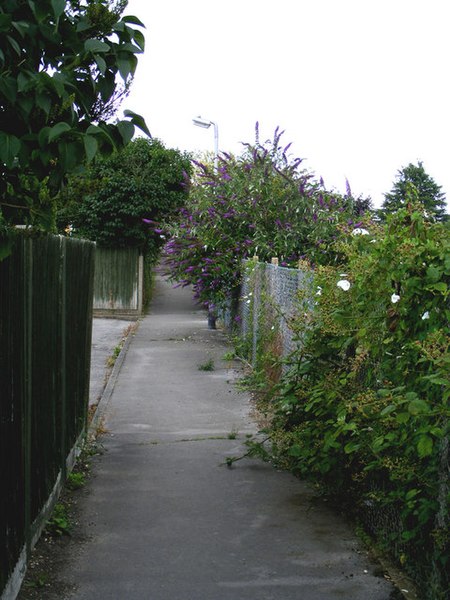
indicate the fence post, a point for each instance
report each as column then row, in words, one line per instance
column 256, row 303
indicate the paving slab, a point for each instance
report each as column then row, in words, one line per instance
column 163, row 518
column 107, row 333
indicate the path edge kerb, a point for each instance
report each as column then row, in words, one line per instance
column 103, row 402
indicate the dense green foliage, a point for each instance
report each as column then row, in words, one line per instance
column 59, row 61
column 428, row 192
column 364, row 408
column 262, row 202
column 116, row 198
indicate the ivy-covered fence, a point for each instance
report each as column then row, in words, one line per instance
column 356, row 389
column 46, row 290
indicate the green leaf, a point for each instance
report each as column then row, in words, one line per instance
column 44, row 102
column 106, row 86
column 70, row 154
column 58, row 7
column 43, row 136
column 23, row 81
column 388, row 409
column 5, row 22
column 436, row 379
column 14, row 44
column 126, row 130
column 433, row 274
column 295, row 450
column 402, row 418
column 125, row 67
column 83, row 24
column 418, row 406
column 104, row 130
column 101, row 63
column 90, row 147
column 139, row 39
column 57, row 130
column 425, row 445
column 138, row 121
column 411, row 494
column 94, row 45
column 120, row 26
column 22, row 27
column 94, row 130
column 132, row 19
column 58, row 81
column 5, row 246
column 377, row 443
column 351, row 447
column 130, row 48
column 9, row 148
column 8, row 87
column 438, row 287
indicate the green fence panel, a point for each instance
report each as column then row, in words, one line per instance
column 12, row 379
column 78, row 333
column 46, row 291
column 46, row 343
column 116, row 285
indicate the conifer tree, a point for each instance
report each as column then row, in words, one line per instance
column 428, row 192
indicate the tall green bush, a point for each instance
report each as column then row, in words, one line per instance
column 116, row 198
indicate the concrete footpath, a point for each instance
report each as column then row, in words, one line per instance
column 163, row 519
column 107, row 334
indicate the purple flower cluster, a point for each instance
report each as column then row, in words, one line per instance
column 259, row 203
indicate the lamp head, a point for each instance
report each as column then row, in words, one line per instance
column 199, row 122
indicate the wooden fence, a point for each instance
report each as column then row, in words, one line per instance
column 118, row 283
column 46, row 290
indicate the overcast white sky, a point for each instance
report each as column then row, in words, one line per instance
column 361, row 87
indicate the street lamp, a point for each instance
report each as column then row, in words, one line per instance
column 205, row 124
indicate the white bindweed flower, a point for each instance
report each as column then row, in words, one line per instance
column 319, row 291
column 360, row 231
column 344, row 285
column 425, row 316
column 395, row 298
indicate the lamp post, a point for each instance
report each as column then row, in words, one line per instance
column 205, row 124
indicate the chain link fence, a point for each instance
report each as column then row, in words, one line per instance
column 271, row 299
